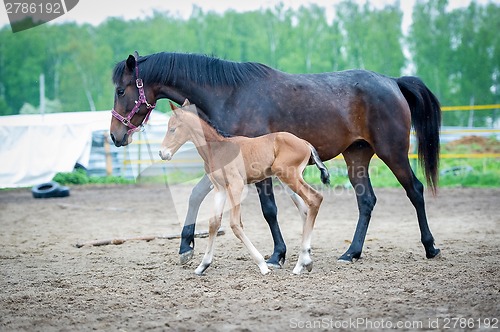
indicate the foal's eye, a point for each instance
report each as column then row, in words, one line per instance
column 172, row 130
column 120, row 92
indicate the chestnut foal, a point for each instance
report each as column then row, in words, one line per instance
column 233, row 162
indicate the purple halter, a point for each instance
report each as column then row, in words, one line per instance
column 142, row 100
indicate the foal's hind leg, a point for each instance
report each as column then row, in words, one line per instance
column 400, row 166
column 306, row 196
column 213, row 227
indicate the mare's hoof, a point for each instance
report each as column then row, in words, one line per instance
column 275, row 264
column 434, row 253
column 348, row 258
column 185, row 257
column 309, row 267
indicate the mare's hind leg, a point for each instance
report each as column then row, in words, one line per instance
column 270, row 211
column 234, row 192
column 200, row 191
column 400, row 166
column 357, row 158
column 213, row 227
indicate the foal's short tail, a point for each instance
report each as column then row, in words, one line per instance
column 325, row 175
column 426, row 119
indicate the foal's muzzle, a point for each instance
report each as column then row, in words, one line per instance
column 165, row 155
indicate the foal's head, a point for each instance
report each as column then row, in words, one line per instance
column 178, row 132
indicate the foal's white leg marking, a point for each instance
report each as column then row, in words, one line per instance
column 305, row 259
column 256, row 255
column 214, row 225
column 308, row 212
column 237, row 228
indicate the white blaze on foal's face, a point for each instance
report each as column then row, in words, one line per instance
column 177, row 133
column 174, row 138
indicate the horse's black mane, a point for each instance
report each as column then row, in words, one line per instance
column 201, row 69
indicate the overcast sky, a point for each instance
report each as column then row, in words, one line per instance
column 96, row 11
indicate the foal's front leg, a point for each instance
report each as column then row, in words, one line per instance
column 235, row 197
column 238, row 231
column 213, row 227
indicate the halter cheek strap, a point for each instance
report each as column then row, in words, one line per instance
column 127, row 121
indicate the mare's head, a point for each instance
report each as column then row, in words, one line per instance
column 178, row 132
column 131, row 107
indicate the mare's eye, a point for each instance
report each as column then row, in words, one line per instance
column 120, row 92
column 172, row 130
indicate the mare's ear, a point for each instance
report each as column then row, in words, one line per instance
column 186, row 103
column 131, row 63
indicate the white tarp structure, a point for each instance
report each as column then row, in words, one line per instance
column 34, row 148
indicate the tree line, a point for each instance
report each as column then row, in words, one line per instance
column 455, row 52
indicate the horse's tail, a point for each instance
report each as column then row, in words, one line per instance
column 426, row 119
column 325, row 175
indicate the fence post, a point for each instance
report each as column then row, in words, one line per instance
column 107, row 151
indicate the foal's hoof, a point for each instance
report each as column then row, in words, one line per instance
column 185, row 257
column 300, row 267
column 434, row 253
column 264, row 269
column 201, row 268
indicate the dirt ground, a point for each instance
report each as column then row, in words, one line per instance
column 47, row 284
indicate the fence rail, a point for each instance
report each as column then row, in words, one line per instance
column 470, row 107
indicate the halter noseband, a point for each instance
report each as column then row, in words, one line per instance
column 127, row 121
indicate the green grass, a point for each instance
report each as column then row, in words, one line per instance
column 79, row 176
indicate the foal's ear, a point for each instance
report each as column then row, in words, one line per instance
column 172, row 105
column 186, row 103
column 131, row 63
column 177, row 111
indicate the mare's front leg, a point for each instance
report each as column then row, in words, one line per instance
column 200, row 191
column 270, row 211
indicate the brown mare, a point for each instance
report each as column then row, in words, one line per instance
column 356, row 112
column 233, row 162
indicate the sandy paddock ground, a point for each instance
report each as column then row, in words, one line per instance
column 47, row 284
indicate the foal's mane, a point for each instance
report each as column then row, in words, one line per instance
column 196, row 112
column 168, row 68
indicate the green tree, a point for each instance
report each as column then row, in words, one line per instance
column 371, row 37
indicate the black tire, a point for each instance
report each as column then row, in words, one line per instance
column 49, row 190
